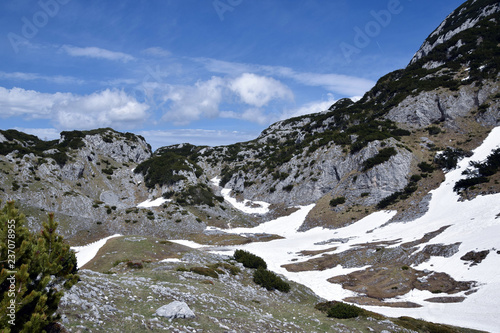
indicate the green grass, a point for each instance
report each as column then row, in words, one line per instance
column 120, row 249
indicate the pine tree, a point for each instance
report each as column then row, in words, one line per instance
column 35, row 269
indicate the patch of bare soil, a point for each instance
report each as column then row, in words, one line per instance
column 457, row 299
column 226, row 239
column 475, row 257
column 387, row 282
column 313, row 253
column 322, row 215
column 370, row 301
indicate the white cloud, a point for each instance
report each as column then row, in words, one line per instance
column 343, row 84
column 101, row 109
column 258, row 90
column 157, row 52
column 59, row 79
column 96, row 52
column 41, row 133
column 308, row 108
column 254, row 115
column 185, row 104
column 202, row 137
column 337, row 83
column 106, row 108
column 29, row 103
column 190, row 103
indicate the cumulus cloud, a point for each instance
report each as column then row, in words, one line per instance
column 258, row 90
column 68, row 111
column 185, row 104
column 106, row 108
column 96, row 52
column 190, row 103
column 29, row 104
column 336, row 83
column 308, row 108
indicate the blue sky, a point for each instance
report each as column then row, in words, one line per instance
column 201, row 71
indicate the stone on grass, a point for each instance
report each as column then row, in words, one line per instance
column 175, row 310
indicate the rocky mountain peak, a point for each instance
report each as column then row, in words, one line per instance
column 464, row 17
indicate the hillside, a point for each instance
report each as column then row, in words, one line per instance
column 390, row 202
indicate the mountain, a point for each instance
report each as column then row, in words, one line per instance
column 389, row 166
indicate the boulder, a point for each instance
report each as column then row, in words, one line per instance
column 174, row 310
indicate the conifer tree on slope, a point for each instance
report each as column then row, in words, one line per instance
column 44, row 267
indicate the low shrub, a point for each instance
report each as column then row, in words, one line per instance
column 135, row 265
column 383, row 156
column 433, row 130
column 339, row 310
column 337, row 201
column 425, row 167
column 270, row 281
column 344, row 311
column 449, row 158
column 249, row 260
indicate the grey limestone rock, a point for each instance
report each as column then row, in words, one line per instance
column 174, row 310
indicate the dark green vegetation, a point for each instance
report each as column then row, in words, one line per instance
column 249, row 260
column 198, row 195
column 269, row 280
column 165, row 169
column 383, row 156
column 481, row 172
column 261, row 276
column 43, row 266
column 449, row 158
column 337, row 201
column 340, row 310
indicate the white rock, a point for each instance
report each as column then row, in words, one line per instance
column 176, row 309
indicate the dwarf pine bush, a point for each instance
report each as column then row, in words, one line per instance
column 39, row 268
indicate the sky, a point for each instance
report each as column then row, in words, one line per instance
column 207, row 72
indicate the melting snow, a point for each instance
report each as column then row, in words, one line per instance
column 171, row 260
column 153, row 203
column 246, row 206
column 87, row 252
column 188, row 243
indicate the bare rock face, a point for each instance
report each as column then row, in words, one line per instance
column 120, row 149
column 439, row 106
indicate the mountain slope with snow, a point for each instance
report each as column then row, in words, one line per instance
column 474, row 224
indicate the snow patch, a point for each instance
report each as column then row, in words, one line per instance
column 171, row 260
column 87, row 252
column 187, row 243
column 246, row 206
column 153, row 203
